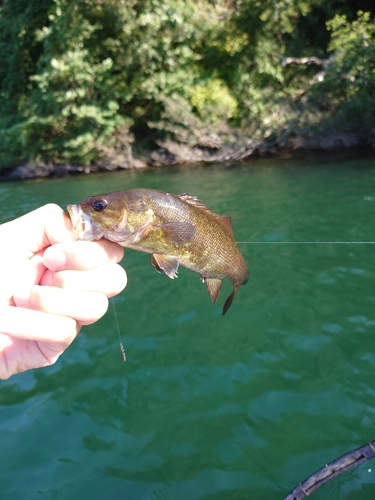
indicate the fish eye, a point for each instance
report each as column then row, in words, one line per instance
column 99, row 205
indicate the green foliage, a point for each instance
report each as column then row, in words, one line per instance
column 213, row 101
column 80, row 76
column 100, row 66
column 354, row 47
column 346, row 94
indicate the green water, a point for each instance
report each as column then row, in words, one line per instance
column 209, row 407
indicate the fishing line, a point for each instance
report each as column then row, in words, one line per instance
column 122, row 350
column 307, row 242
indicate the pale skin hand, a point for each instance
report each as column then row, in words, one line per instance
column 50, row 285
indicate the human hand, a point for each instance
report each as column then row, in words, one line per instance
column 50, row 285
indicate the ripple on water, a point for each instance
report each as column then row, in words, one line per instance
column 332, row 328
column 334, row 403
column 362, row 320
column 244, row 406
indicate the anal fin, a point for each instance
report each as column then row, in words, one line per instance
column 213, row 286
column 166, row 264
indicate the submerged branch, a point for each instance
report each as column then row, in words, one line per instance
column 331, row 470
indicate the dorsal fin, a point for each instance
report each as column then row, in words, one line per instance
column 195, row 202
column 226, row 220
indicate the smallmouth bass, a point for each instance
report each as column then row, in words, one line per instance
column 174, row 229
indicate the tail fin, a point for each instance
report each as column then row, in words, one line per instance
column 229, row 300
column 236, row 286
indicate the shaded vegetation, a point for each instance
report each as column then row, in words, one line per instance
column 83, row 80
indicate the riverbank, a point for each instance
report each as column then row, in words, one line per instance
column 210, row 149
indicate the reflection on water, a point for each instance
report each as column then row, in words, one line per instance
column 211, row 407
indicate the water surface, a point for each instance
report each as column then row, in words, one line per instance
column 244, row 406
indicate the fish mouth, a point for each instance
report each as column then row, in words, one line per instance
column 82, row 224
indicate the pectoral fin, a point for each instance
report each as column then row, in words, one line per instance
column 213, row 286
column 178, row 232
column 166, row 264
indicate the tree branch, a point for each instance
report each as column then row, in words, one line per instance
column 285, row 61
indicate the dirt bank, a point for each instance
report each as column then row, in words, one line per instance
column 209, row 149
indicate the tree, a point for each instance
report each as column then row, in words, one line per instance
column 79, row 77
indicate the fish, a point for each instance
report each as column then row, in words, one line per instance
column 177, row 230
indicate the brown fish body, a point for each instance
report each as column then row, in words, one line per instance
column 174, row 229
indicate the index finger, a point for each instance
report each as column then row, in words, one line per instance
column 38, row 229
column 80, row 255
